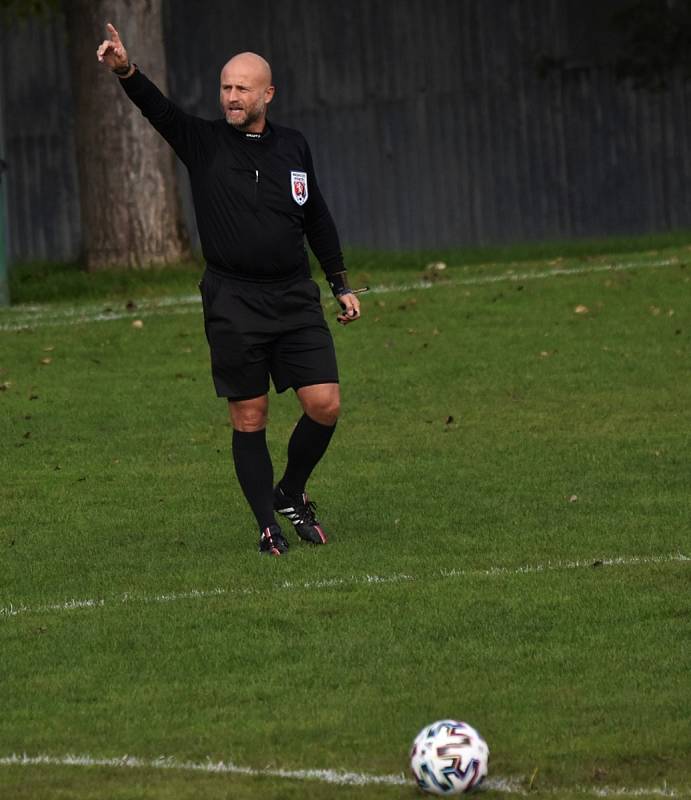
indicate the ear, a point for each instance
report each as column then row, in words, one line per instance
column 269, row 94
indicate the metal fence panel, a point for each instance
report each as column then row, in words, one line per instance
column 428, row 120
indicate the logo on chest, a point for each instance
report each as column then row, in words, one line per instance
column 298, row 185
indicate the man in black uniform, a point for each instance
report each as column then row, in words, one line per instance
column 255, row 199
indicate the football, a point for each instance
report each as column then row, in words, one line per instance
column 449, row 757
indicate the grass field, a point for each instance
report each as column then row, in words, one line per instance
column 507, row 495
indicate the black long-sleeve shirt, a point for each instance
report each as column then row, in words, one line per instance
column 248, row 191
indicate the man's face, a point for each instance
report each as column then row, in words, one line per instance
column 245, row 93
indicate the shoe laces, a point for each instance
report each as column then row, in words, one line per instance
column 307, row 509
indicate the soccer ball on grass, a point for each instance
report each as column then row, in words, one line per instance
column 449, row 757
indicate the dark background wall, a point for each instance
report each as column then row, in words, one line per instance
column 432, row 122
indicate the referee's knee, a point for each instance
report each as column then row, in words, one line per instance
column 324, row 409
column 249, row 415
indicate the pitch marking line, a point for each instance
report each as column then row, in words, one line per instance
column 219, row 767
column 339, row 777
column 14, row 610
column 26, row 317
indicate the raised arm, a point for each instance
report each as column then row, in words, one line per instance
column 113, row 54
column 186, row 134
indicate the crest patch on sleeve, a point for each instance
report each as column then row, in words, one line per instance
column 298, row 185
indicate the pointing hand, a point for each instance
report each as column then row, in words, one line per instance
column 112, row 51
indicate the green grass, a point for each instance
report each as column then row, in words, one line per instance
column 486, row 425
column 46, row 282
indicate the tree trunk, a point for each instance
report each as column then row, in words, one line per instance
column 130, row 206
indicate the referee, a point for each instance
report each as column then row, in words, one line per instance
column 256, row 198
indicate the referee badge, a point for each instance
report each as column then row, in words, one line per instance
column 298, row 184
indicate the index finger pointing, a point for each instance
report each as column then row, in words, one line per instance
column 113, row 32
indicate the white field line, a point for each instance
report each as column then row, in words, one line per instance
column 332, row 776
column 219, row 767
column 16, row 609
column 27, row 317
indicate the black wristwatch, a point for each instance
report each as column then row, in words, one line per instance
column 338, row 283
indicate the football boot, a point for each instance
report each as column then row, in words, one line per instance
column 272, row 542
column 300, row 511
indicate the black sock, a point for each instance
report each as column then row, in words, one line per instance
column 306, row 446
column 255, row 474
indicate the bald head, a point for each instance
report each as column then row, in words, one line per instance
column 250, row 65
column 246, row 90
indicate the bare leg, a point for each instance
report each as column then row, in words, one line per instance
column 321, row 402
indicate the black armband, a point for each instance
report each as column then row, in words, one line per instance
column 125, row 72
column 338, row 282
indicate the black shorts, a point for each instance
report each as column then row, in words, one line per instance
column 257, row 330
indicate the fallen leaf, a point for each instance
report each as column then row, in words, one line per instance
column 434, row 270
column 580, row 309
column 46, row 360
column 137, row 323
column 533, row 778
